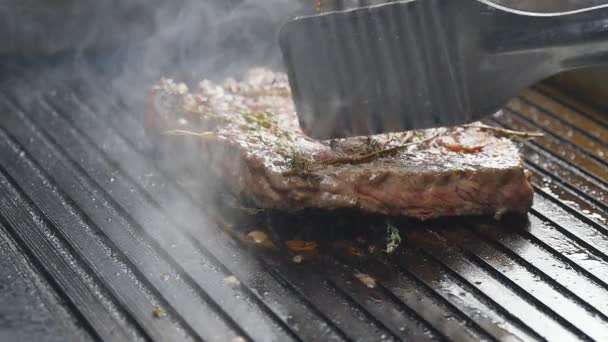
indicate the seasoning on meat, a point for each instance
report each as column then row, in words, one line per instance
column 250, row 136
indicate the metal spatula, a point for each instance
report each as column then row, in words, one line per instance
column 428, row 63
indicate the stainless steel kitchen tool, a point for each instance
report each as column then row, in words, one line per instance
column 426, row 63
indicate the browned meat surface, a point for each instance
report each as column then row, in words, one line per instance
column 250, row 136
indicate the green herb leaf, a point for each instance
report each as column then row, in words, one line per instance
column 393, row 239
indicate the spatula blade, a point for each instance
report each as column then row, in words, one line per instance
column 390, row 67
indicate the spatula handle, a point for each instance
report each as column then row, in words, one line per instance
column 570, row 40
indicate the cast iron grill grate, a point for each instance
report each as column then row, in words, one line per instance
column 125, row 252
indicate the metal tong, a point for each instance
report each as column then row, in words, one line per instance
column 428, row 63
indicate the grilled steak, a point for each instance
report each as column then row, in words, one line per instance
column 250, row 136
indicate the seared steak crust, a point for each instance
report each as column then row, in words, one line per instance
column 250, row 135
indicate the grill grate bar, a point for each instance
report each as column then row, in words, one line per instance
column 277, row 292
column 590, row 167
column 439, row 313
column 524, row 294
column 544, row 293
column 593, row 267
column 475, row 333
column 569, row 113
column 591, row 132
column 77, row 230
column 341, row 288
column 476, row 302
column 574, row 209
column 561, row 182
column 389, row 312
column 586, row 237
column 424, row 306
column 583, row 290
column 33, row 232
column 56, row 315
column 593, row 189
column 380, row 314
column 62, row 175
column 565, row 189
column 581, row 294
column 557, row 136
column 479, row 245
column 501, row 289
column 402, row 319
column 568, row 102
column 561, row 173
column 581, row 209
column 559, row 201
column 415, row 305
column 578, row 142
column 588, row 123
column 337, row 306
column 433, row 296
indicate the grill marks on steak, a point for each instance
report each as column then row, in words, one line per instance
column 250, row 135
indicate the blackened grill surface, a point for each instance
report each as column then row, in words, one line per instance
column 111, row 246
